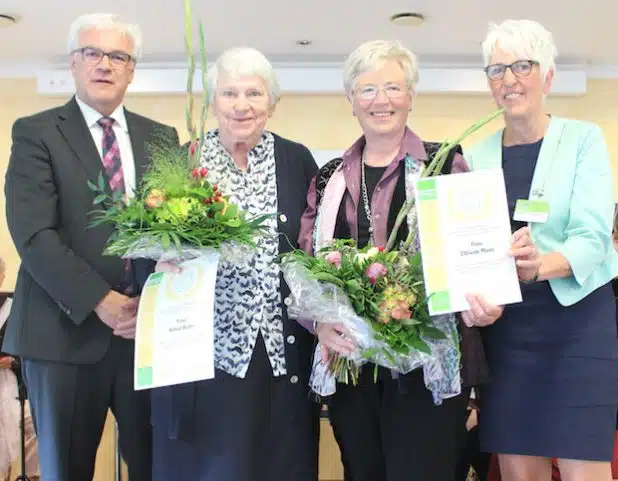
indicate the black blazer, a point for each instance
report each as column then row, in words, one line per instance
column 63, row 274
column 175, row 406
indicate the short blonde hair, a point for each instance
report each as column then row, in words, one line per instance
column 105, row 21
column 526, row 39
column 371, row 55
column 244, row 62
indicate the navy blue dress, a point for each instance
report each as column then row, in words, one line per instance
column 554, row 369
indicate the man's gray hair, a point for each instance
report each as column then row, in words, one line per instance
column 105, row 21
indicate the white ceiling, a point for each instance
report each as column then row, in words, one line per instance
column 585, row 31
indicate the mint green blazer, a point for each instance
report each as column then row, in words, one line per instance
column 573, row 173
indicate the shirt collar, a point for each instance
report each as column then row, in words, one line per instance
column 92, row 116
column 411, row 145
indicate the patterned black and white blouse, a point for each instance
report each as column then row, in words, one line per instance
column 247, row 297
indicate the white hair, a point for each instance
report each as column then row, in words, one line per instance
column 240, row 62
column 371, row 55
column 526, row 39
column 105, row 21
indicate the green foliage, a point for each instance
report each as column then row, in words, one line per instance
column 370, row 297
column 173, row 206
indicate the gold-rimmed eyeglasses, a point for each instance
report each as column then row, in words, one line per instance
column 370, row 92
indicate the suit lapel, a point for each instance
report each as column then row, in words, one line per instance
column 77, row 135
column 494, row 146
column 138, row 134
column 547, row 155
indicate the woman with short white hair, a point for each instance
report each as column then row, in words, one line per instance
column 389, row 429
column 255, row 421
column 553, row 358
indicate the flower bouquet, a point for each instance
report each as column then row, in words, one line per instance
column 378, row 294
column 175, row 211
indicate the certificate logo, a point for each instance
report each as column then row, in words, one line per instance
column 185, row 284
column 469, row 204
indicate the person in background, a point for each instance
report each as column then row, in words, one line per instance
column 10, row 412
column 553, row 358
column 255, row 421
column 73, row 318
column 470, row 454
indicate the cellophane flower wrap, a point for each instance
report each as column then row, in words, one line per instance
column 378, row 294
column 176, row 212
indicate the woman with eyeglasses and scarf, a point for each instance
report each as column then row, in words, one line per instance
column 389, row 430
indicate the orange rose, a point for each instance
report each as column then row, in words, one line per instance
column 154, row 199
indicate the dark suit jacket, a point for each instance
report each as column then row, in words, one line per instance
column 174, row 407
column 63, row 274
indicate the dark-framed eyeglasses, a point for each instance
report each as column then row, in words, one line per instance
column 93, row 56
column 520, row 68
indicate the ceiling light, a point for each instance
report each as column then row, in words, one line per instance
column 303, row 43
column 7, row 20
column 407, row 19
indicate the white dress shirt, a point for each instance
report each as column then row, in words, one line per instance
column 122, row 136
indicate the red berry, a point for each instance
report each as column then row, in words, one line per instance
column 195, row 173
column 203, row 172
column 380, row 249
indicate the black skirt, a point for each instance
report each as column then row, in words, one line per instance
column 260, row 428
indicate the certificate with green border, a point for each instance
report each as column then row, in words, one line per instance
column 465, row 236
column 174, row 340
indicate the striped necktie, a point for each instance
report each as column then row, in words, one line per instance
column 111, row 155
column 113, row 168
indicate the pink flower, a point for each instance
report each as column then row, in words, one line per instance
column 401, row 311
column 374, row 271
column 334, row 257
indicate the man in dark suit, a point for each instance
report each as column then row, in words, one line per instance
column 73, row 318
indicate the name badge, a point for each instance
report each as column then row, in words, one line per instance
column 531, row 211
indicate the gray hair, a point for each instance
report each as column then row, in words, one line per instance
column 371, row 55
column 526, row 39
column 105, row 21
column 240, row 62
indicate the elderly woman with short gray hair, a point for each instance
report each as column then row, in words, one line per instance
column 553, row 357
column 255, row 421
column 389, row 430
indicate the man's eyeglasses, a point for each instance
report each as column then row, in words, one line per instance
column 392, row 91
column 93, row 56
column 521, row 68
